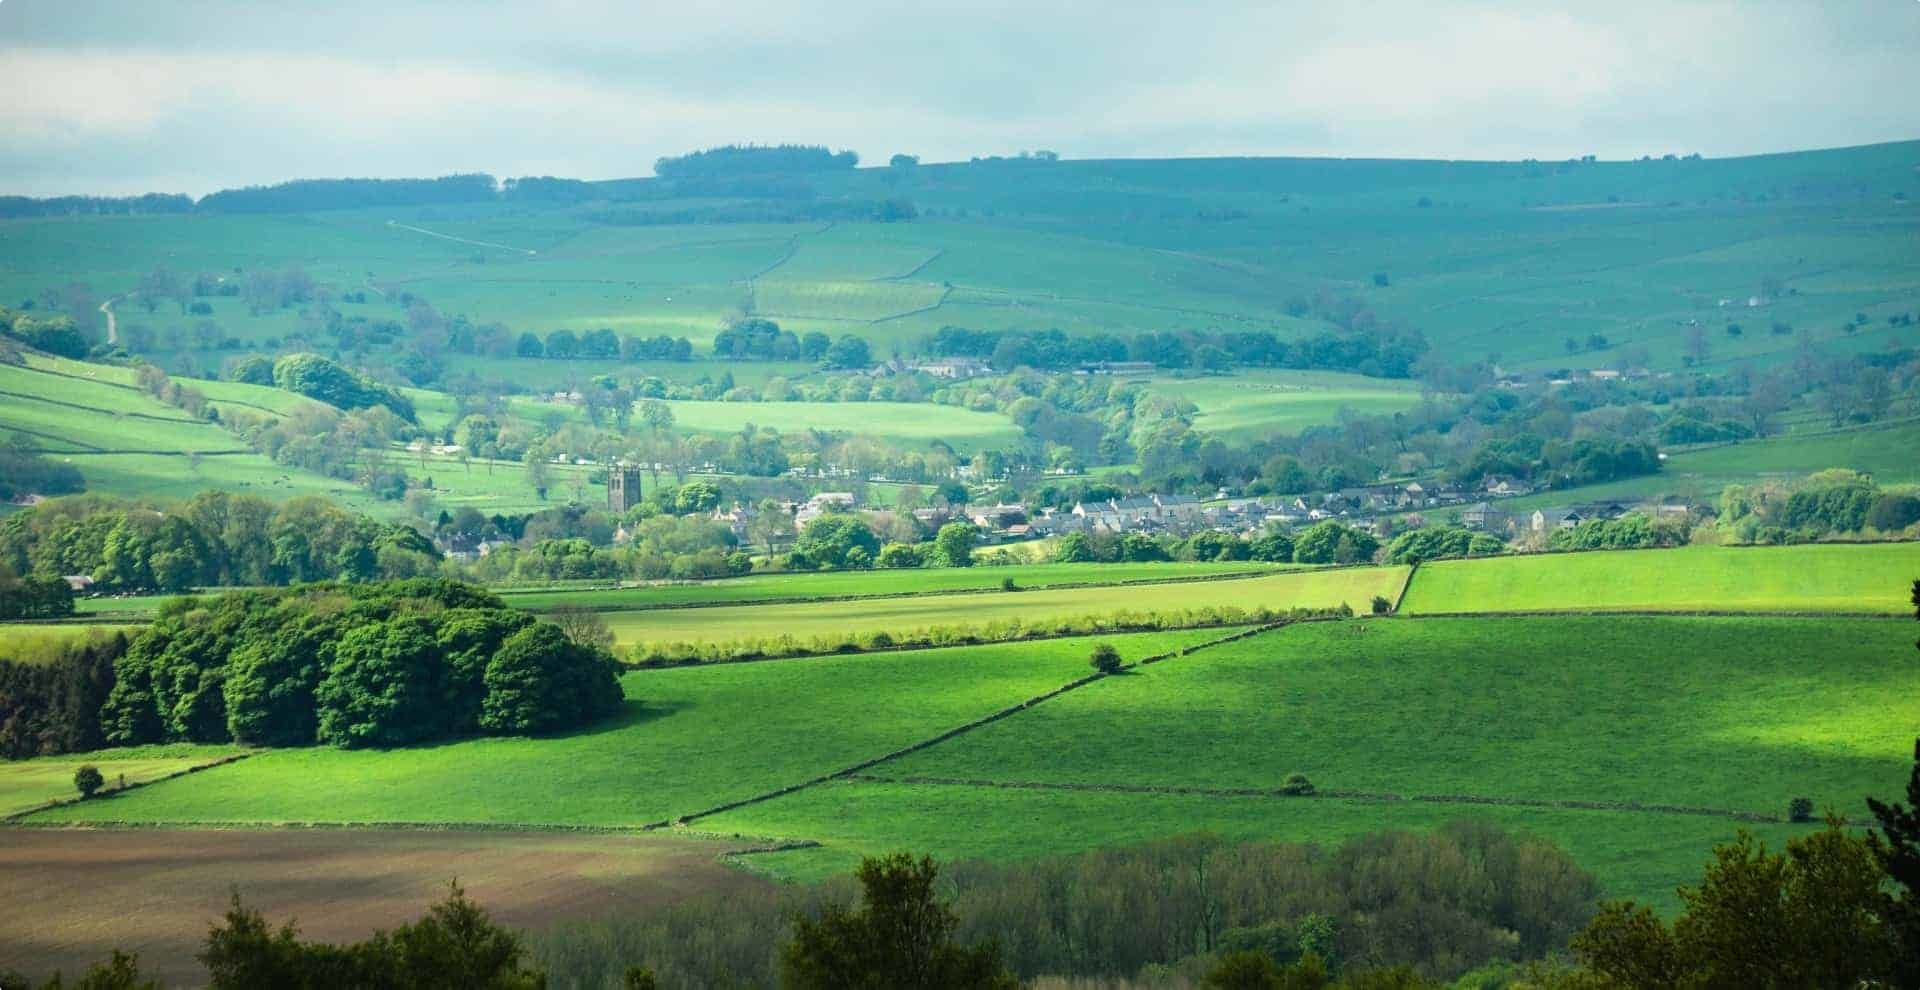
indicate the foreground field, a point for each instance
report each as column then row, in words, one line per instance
column 1301, row 589
column 1875, row 578
column 156, row 891
column 690, row 738
column 1431, row 719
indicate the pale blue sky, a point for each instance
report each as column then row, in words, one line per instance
column 194, row 95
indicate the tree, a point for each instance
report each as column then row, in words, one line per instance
column 582, row 625
column 1104, row 658
column 848, row 353
column 1809, row 917
column 901, row 938
column 827, row 540
column 87, row 780
column 540, row 681
column 953, row 545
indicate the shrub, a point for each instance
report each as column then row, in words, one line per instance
column 1381, row 606
column 1800, row 809
column 1297, row 785
column 1105, row 658
column 879, row 640
column 87, row 780
column 1006, row 584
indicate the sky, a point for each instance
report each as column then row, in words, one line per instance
column 195, row 95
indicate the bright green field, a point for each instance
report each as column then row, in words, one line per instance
column 689, row 738
column 1741, row 714
column 1814, row 578
column 1310, row 589
column 848, row 584
column 26, row 783
column 1634, row 855
column 902, row 421
column 1262, row 403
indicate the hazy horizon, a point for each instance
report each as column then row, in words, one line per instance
column 208, row 94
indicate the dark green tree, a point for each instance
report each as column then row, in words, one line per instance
column 87, row 780
column 540, row 681
column 1104, row 658
column 901, row 938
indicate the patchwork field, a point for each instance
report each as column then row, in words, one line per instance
column 1873, row 578
column 156, row 891
column 690, row 738
column 854, row 584
column 1423, row 719
column 1302, row 589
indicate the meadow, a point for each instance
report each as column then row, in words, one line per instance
column 1301, row 589
column 690, row 738
column 1413, row 715
column 1871, row 578
column 26, row 784
column 1255, row 404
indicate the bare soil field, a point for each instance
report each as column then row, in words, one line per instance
column 75, row 894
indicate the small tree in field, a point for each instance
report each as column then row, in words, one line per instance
column 1105, row 658
column 87, row 780
column 1381, row 606
column 1800, row 810
column 1297, row 785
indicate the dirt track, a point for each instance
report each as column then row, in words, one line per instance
column 72, row 895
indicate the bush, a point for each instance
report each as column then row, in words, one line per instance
column 1105, row 658
column 87, row 780
column 1381, row 606
column 1297, row 785
column 1800, row 809
column 1006, row 584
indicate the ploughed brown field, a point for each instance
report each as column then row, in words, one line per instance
column 73, row 895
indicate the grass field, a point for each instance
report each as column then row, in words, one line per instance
column 1257, row 404
column 1309, row 589
column 1739, row 714
column 690, row 738
column 35, row 642
column 1873, row 578
column 27, row 783
column 851, row 584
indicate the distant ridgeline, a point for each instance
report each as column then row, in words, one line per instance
column 812, row 181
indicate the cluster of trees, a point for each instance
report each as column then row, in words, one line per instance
column 52, row 704
column 1169, row 912
column 16, row 207
column 1328, row 542
column 1373, row 350
column 304, row 195
column 214, row 538
column 317, row 377
column 1436, row 542
column 34, row 597
column 601, row 344
column 1628, row 532
column 24, row 471
column 757, row 338
column 1837, row 502
column 58, row 334
column 386, row 664
column 753, row 159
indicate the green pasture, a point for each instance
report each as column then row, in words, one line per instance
column 1742, row 714
column 1735, row 714
column 1250, row 405
column 41, row 642
column 1635, row 855
column 853, row 584
column 1299, row 589
column 1870, row 578
column 690, row 738
column 27, row 783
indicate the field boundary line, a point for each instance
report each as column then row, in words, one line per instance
column 945, row 293
column 14, row 817
column 915, row 270
column 137, row 390
column 793, row 248
column 966, row 727
column 460, row 240
column 1569, row 804
column 106, row 412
